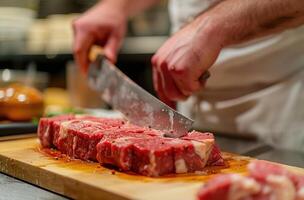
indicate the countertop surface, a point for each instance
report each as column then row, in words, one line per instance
column 14, row 189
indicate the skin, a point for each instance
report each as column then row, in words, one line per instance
column 186, row 55
column 105, row 25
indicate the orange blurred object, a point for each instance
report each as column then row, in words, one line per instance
column 20, row 103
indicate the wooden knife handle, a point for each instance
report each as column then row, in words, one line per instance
column 94, row 52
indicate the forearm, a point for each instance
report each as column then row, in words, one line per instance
column 129, row 7
column 238, row 21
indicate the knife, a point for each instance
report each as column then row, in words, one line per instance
column 137, row 105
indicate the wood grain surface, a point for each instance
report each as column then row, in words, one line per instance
column 26, row 160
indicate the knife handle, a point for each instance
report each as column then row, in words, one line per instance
column 95, row 51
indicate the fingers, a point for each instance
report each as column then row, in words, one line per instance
column 112, row 46
column 185, row 75
column 165, row 86
column 82, row 45
column 157, row 83
column 186, row 82
column 169, row 84
column 179, row 78
column 175, row 84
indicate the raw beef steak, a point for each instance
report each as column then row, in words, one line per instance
column 131, row 148
column 46, row 128
column 266, row 181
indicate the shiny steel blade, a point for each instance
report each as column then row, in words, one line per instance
column 138, row 106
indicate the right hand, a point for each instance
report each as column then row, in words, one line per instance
column 103, row 25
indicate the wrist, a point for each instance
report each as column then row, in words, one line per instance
column 209, row 30
column 230, row 27
column 117, row 6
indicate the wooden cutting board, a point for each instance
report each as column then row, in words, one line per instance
column 24, row 159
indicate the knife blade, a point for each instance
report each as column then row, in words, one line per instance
column 137, row 105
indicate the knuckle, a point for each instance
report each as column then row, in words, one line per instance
column 154, row 60
column 177, row 69
column 83, row 26
column 76, row 24
column 77, row 49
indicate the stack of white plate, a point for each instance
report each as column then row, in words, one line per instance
column 14, row 25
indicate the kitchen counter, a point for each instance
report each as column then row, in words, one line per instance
column 14, row 189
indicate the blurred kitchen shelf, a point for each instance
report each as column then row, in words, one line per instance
column 133, row 59
column 134, row 48
column 142, row 45
column 35, row 57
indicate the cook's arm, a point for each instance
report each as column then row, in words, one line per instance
column 243, row 20
column 129, row 7
column 179, row 63
column 104, row 25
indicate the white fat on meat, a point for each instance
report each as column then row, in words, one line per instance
column 123, row 141
column 79, row 116
column 152, row 164
column 64, row 129
column 90, row 122
column 180, row 166
column 282, row 187
column 242, row 187
column 74, row 144
column 203, row 149
column 45, row 135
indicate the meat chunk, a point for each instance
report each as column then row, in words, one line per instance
column 78, row 138
column 266, row 181
column 283, row 183
column 229, row 187
column 129, row 147
column 148, row 154
column 46, row 128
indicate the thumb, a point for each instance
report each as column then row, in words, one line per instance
column 112, row 46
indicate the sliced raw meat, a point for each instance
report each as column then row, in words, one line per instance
column 46, row 128
column 266, row 181
column 148, row 154
column 215, row 158
column 229, row 187
column 278, row 177
column 131, row 148
column 116, row 147
column 78, row 138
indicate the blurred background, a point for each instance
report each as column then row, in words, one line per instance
column 35, row 48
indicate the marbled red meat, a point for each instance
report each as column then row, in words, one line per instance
column 266, row 181
column 46, row 128
column 131, row 148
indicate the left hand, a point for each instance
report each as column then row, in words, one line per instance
column 183, row 58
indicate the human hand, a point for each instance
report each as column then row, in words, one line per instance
column 104, row 25
column 183, row 59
